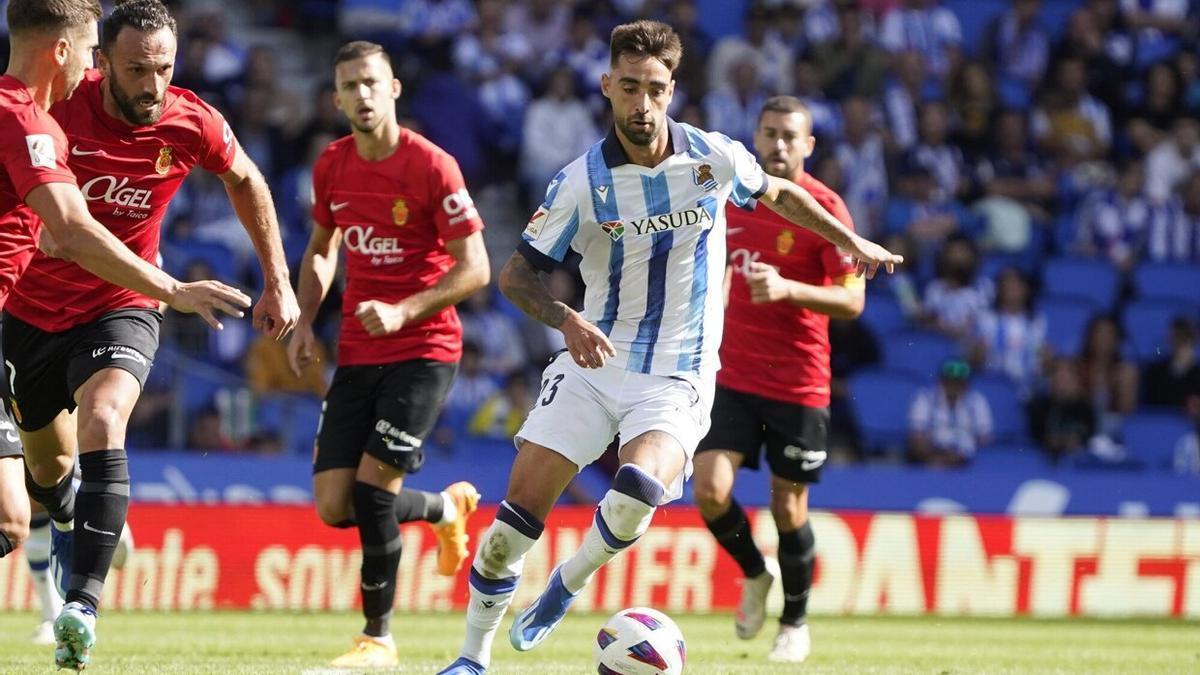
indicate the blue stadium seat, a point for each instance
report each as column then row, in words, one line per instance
column 918, row 353
column 1017, row 459
column 1066, row 321
column 1151, row 437
column 880, row 401
column 1147, row 324
column 974, row 16
column 1162, row 281
column 1083, row 277
column 883, row 315
column 1008, row 415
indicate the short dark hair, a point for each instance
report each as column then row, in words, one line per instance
column 360, row 49
column 26, row 16
column 646, row 38
column 785, row 105
column 145, row 16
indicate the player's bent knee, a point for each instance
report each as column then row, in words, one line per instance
column 333, row 513
column 102, row 425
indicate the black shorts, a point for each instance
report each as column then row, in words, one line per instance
column 45, row 369
column 796, row 436
column 385, row 411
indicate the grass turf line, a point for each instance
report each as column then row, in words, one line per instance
column 228, row 642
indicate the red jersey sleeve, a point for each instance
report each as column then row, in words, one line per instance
column 321, row 214
column 454, row 211
column 34, row 150
column 218, row 145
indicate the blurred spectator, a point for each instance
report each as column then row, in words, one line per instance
column 224, row 56
column 450, row 115
column 957, row 296
column 1187, row 66
column 207, row 432
column 733, row 107
column 192, row 336
column 1096, row 34
column 848, row 62
column 262, row 76
column 1012, row 171
column 1010, row 337
column 949, row 421
column 974, row 101
column 860, row 154
column 268, row 372
column 1063, row 419
column 944, row 161
column 1112, row 221
column 920, row 213
column 1068, row 120
column 190, row 72
column 825, row 114
column 1171, row 381
column 772, row 59
column 1111, row 382
column 261, row 136
column 326, row 121
column 1158, row 26
column 472, row 384
column 924, row 26
column 428, row 22
column 1018, row 44
column 1175, row 237
column 1173, row 160
column 481, row 54
column 558, row 128
column 1160, row 103
column 587, row 58
column 545, row 23
column 909, row 86
column 494, row 331
column 691, row 75
column 1187, row 451
column 501, row 415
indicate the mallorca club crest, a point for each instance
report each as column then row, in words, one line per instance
column 615, row 229
column 163, row 164
column 784, row 242
column 703, row 176
column 399, row 212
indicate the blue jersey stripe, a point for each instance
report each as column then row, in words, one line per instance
column 692, row 353
column 559, row 250
column 552, row 189
column 697, row 140
column 657, row 194
column 604, row 202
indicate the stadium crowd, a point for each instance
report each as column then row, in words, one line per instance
column 1036, row 161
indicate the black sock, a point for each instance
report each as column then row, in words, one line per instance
column 374, row 509
column 412, row 505
column 102, row 506
column 58, row 500
column 732, row 531
column 796, row 551
column 6, row 545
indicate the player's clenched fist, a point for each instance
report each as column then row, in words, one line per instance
column 381, row 318
column 765, row 283
column 206, row 298
column 869, row 256
column 587, row 344
column 277, row 313
column 302, row 349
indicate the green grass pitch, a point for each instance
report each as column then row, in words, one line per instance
column 304, row 643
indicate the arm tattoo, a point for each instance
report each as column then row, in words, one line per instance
column 520, row 283
column 799, row 207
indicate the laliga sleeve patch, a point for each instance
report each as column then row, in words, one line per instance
column 41, row 150
column 536, row 223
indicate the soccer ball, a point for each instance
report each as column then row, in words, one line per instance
column 639, row 641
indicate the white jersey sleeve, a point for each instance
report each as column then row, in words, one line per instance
column 749, row 179
column 553, row 227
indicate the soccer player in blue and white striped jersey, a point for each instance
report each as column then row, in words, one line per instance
column 645, row 208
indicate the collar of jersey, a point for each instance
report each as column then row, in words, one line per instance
column 614, row 154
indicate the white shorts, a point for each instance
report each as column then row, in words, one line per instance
column 579, row 410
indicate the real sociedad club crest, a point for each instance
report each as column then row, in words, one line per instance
column 703, row 176
column 615, row 229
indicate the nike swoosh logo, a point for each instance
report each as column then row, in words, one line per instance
column 375, row 587
column 131, row 357
column 734, row 230
column 488, row 604
column 11, row 437
column 809, row 466
column 398, row 448
column 335, row 207
column 89, row 528
column 83, row 153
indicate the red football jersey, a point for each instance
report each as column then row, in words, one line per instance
column 33, row 152
column 396, row 216
column 778, row 350
column 128, row 175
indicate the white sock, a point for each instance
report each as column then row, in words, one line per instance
column 494, row 576
column 37, row 554
column 449, row 510
column 63, row 527
column 620, row 520
column 385, row 640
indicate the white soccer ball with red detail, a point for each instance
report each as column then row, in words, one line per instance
column 639, row 641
